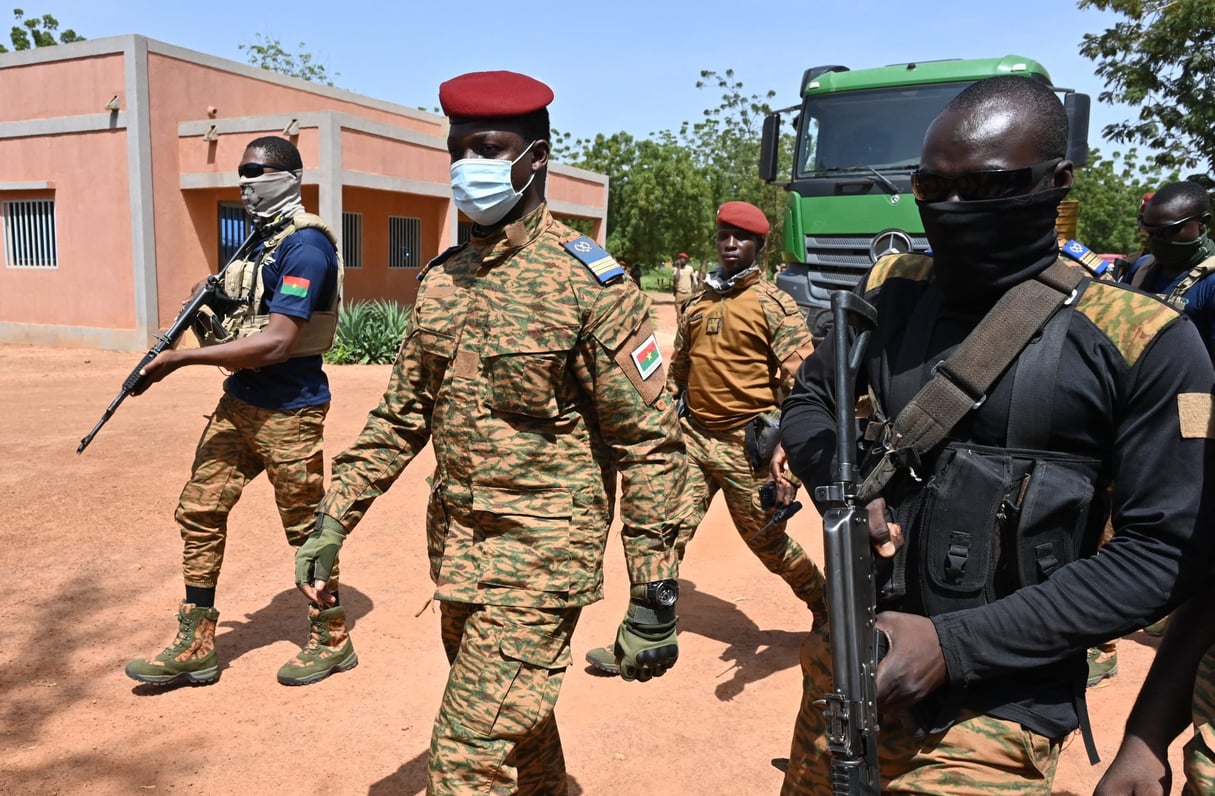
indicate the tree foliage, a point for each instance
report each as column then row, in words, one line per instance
column 664, row 190
column 1159, row 59
column 269, row 53
column 37, row 32
column 1110, row 191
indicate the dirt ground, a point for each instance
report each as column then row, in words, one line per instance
column 92, row 554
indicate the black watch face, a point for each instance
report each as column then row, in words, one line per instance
column 666, row 593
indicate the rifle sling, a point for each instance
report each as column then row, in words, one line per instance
column 960, row 383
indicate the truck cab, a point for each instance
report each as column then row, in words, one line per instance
column 858, row 137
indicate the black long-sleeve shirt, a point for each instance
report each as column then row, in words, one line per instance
column 1134, row 393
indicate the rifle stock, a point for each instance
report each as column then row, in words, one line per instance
column 851, row 708
column 202, row 297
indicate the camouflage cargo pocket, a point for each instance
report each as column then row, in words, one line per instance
column 519, row 689
column 523, row 537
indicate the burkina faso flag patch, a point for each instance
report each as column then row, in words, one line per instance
column 295, row 286
column 647, row 357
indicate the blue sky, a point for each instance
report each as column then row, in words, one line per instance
column 615, row 64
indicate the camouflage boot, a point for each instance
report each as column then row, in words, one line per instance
column 191, row 656
column 603, row 659
column 328, row 649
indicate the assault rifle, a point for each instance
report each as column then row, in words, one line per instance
column 210, row 293
column 856, row 645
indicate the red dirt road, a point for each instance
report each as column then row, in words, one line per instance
column 93, row 563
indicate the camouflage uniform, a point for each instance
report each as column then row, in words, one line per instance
column 752, row 339
column 531, row 378
column 239, row 442
column 1199, row 751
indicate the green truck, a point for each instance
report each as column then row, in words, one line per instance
column 858, row 140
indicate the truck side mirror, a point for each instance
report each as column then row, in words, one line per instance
column 1077, row 107
column 769, row 148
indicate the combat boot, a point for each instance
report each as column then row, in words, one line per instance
column 328, row 650
column 603, row 659
column 1102, row 663
column 191, row 656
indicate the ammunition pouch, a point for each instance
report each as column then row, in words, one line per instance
column 762, row 437
column 989, row 521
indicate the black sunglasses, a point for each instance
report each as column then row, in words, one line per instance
column 929, row 186
column 251, row 170
column 1170, row 229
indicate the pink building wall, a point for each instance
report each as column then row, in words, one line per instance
column 136, row 185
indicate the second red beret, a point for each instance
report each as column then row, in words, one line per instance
column 744, row 216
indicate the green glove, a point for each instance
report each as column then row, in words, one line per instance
column 316, row 556
column 645, row 643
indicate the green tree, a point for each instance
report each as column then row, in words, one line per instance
column 1110, row 191
column 1160, row 58
column 664, row 190
column 37, row 32
column 654, row 190
column 726, row 143
column 269, row 53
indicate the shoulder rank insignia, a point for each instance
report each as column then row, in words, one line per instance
column 593, row 256
column 1075, row 250
column 440, row 259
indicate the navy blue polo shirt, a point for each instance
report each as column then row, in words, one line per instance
column 299, row 277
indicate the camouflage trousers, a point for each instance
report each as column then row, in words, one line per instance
column 978, row 755
column 496, row 732
column 1199, row 751
column 239, row 442
column 717, row 461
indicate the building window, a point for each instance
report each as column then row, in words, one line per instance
column 404, row 242
column 29, row 233
column 463, row 231
column 352, row 240
column 234, row 228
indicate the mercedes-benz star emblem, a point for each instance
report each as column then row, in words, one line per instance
column 889, row 241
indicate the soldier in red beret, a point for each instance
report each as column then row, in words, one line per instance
column 737, row 350
column 531, row 366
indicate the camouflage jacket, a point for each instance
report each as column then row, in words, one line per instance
column 532, row 380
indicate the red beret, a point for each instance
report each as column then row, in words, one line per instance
column 492, row 95
column 684, row 255
column 744, row 216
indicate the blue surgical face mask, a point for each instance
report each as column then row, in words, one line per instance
column 482, row 187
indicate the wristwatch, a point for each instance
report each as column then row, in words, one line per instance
column 659, row 593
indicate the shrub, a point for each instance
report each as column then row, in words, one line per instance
column 369, row 332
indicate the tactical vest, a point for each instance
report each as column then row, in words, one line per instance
column 1174, row 298
column 987, row 521
column 240, row 312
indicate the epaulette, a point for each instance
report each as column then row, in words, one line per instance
column 1130, row 319
column 1075, row 250
column 440, row 259
column 915, row 267
column 592, row 255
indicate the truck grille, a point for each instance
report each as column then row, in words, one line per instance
column 845, row 255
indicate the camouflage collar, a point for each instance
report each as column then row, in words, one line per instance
column 499, row 244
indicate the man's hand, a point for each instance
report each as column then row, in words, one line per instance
column 315, row 559
column 886, row 537
column 915, row 666
column 162, row 365
column 786, row 483
column 645, row 643
column 1137, row 770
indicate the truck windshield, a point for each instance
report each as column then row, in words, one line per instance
column 879, row 128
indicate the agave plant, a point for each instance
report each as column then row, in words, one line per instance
column 369, row 332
